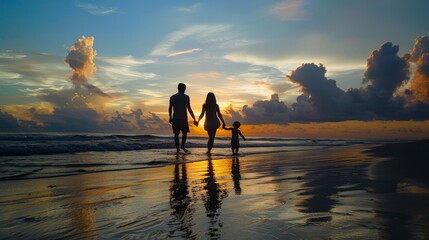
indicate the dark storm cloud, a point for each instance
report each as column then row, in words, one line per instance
column 153, row 121
column 135, row 121
column 385, row 72
column 321, row 92
column 379, row 98
column 8, row 121
column 73, row 112
column 269, row 111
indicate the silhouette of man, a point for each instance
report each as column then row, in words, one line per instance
column 178, row 112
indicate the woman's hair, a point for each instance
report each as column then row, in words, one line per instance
column 210, row 101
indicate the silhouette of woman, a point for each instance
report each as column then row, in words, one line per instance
column 211, row 124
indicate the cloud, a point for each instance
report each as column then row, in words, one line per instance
column 96, row 9
column 324, row 92
column 189, row 9
column 287, row 64
column 125, row 61
column 32, row 69
column 419, row 86
column 205, row 75
column 80, row 110
column 203, row 33
column 118, row 74
column 290, row 10
column 261, row 112
column 379, row 97
column 80, row 58
column 9, row 75
column 11, row 55
column 184, row 52
column 136, row 121
column 8, row 121
column 152, row 93
column 72, row 112
column 385, row 72
column 118, row 70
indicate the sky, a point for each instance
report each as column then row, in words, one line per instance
column 298, row 68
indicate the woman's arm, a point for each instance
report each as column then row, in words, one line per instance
column 202, row 112
column 220, row 115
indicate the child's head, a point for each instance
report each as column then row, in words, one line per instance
column 236, row 124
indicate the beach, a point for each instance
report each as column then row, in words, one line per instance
column 331, row 192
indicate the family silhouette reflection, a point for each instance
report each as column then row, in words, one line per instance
column 213, row 200
column 201, row 189
column 214, row 194
column 180, row 201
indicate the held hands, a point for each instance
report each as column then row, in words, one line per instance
column 196, row 122
column 170, row 121
column 223, row 126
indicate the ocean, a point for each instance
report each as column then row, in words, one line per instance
column 41, row 155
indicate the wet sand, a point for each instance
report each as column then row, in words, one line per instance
column 334, row 193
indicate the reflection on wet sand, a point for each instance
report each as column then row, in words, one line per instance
column 213, row 201
column 254, row 197
column 324, row 184
column 399, row 211
column 236, row 177
column 180, row 201
column 82, row 212
column 206, row 188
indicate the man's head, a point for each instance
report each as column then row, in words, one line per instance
column 181, row 87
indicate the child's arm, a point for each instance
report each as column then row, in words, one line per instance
column 227, row 128
column 242, row 136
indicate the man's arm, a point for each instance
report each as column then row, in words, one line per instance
column 191, row 112
column 190, row 109
column 170, row 110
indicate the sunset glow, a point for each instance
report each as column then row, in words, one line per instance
column 281, row 68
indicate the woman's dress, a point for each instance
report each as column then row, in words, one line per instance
column 212, row 121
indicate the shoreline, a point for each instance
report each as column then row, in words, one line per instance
column 88, row 162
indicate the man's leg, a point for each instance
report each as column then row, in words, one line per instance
column 176, row 140
column 184, row 136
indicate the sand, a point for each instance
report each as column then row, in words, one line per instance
column 334, row 193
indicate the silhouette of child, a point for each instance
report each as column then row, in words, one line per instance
column 235, row 142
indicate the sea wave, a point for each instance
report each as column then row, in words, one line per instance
column 41, row 144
